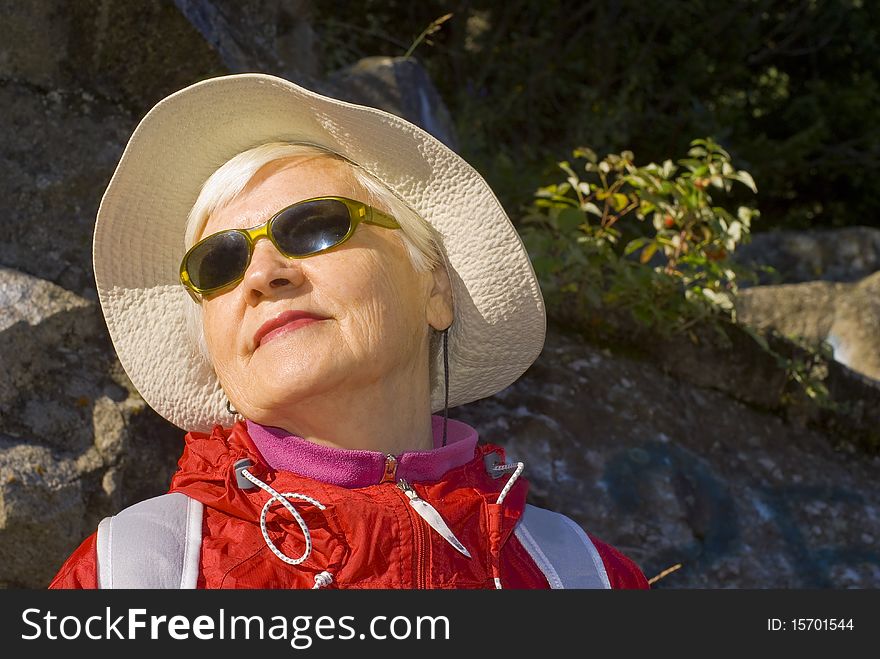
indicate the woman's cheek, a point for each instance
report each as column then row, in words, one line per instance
column 220, row 340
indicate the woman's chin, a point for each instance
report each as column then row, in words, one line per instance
column 284, row 383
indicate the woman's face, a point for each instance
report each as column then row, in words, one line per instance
column 374, row 308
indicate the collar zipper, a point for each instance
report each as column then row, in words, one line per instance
column 428, row 513
column 390, row 474
column 420, row 540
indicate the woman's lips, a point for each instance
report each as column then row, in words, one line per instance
column 282, row 323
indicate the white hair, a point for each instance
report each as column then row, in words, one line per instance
column 421, row 240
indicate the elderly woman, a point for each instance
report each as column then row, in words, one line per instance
column 301, row 283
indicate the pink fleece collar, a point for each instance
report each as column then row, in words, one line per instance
column 355, row 468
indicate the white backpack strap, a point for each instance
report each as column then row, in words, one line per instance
column 153, row 544
column 561, row 549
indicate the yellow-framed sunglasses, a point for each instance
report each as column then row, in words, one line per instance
column 303, row 229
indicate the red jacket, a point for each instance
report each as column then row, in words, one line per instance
column 368, row 537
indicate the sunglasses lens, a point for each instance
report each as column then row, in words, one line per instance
column 218, row 260
column 311, row 227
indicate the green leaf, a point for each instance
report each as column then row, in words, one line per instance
column 720, row 151
column 722, row 212
column 744, row 177
column 648, row 252
column 746, row 215
column 635, row 244
column 569, row 219
column 590, row 207
column 565, row 167
column 646, row 207
column 586, row 152
column 691, row 163
column 619, row 201
column 719, row 299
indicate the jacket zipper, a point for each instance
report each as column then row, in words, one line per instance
column 420, row 552
column 390, row 474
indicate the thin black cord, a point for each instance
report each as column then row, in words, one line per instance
column 445, row 382
column 229, row 408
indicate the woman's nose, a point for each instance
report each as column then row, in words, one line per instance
column 270, row 272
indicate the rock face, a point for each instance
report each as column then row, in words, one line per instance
column 846, row 316
column 258, row 35
column 130, row 54
column 672, row 473
column 682, row 457
column 399, row 85
column 76, row 441
column 844, row 255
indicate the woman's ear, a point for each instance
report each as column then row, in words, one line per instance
column 440, row 313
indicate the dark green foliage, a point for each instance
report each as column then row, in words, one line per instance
column 791, row 88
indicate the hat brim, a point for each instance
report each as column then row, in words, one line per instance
column 500, row 321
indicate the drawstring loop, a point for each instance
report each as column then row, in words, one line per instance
column 283, row 500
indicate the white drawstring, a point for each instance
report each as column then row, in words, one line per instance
column 324, row 579
column 518, row 469
column 519, row 466
column 320, row 580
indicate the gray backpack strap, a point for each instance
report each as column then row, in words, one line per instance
column 153, row 544
column 561, row 549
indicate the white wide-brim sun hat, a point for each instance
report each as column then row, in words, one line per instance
column 500, row 321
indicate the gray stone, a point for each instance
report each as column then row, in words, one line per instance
column 133, row 53
column 846, row 316
column 57, row 152
column 55, row 363
column 844, row 255
column 855, row 332
column 31, row 300
column 42, row 508
column 258, row 35
column 33, row 40
column 76, row 441
column 398, row 85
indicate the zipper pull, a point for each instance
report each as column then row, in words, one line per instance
column 390, row 469
column 428, row 513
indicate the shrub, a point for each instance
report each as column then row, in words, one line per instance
column 650, row 239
